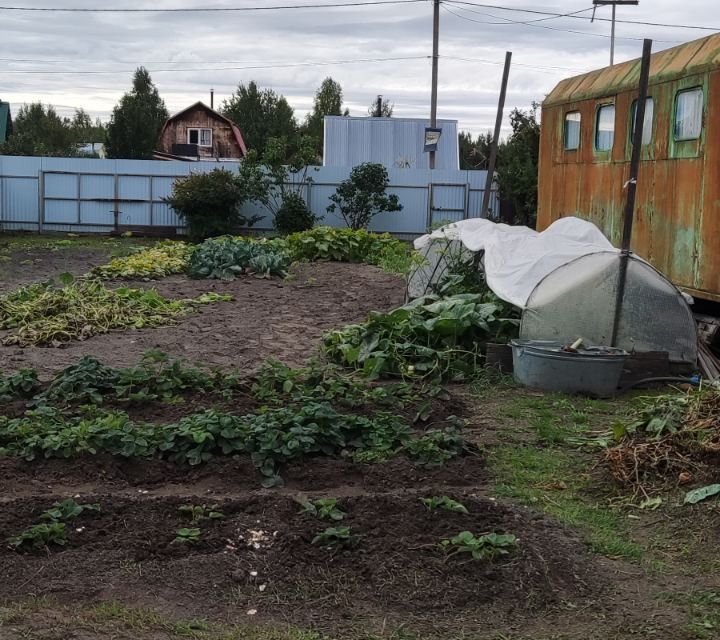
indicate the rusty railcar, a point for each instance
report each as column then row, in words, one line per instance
column 585, row 149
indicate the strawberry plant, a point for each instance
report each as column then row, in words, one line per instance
column 67, row 510
column 488, row 546
column 444, row 503
column 22, row 384
column 337, row 537
column 188, row 535
column 200, row 512
column 325, row 509
column 39, row 536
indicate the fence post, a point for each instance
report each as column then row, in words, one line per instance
column 430, row 206
column 41, row 200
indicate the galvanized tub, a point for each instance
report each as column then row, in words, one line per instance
column 544, row 365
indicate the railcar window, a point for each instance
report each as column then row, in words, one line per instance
column 572, row 130
column 647, row 121
column 605, row 127
column 688, row 114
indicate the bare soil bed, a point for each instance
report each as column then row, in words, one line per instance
column 281, row 319
column 397, row 573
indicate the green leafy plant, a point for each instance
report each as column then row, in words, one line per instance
column 435, row 447
column 337, row 537
column 363, row 195
column 489, row 546
column 209, row 203
column 67, row 510
column 22, row 384
column 39, row 536
column 226, row 258
column 443, row 502
column 188, row 535
column 200, row 512
column 431, row 337
column 325, row 509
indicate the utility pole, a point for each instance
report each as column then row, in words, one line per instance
column 629, row 213
column 435, row 56
column 614, row 4
column 496, row 137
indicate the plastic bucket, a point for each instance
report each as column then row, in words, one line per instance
column 543, row 365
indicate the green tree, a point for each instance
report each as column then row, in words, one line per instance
column 137, row 120
column 278, row 180
column 518, row 171
column 362, row 196
column 39, row 131
column 385, row 108
column 328, row 102
column 474, row 152
column 261, row 114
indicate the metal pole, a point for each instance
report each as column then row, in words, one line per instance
column 435, row 56
column 612, row 38
column 631, row 185
column 496, row 137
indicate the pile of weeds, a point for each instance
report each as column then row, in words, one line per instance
column 164, row 259
column 47, row 314
column 669, row 438
column 430, row 338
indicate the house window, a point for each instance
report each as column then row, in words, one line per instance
column 605, row 127
column 201, row 137
column 572, row 131
column 688, row 114
column 647, row 121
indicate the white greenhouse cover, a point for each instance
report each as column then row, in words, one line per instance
column 518, row 258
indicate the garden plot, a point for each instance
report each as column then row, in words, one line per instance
column 149, row 497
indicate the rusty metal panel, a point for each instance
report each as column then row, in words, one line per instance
column 699, row 56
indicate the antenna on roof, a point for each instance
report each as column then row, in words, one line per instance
column 614, row 4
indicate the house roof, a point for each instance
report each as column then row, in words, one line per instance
column 202, row 105
column 690, row 58
column 5, row 122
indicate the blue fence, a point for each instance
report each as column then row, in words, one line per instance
column 95, row 196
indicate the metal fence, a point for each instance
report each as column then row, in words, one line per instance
column 95, row 196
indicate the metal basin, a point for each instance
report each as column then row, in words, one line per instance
column 542, row 364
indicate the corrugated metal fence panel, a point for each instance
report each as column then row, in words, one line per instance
column 78, row 194
column 393, row 142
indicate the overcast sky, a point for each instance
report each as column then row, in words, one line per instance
column 188, row 53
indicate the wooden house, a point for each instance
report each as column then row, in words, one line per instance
column 585, row 149
column 200, row 133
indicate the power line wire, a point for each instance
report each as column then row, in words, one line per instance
column 578, row 17
column 332, row 5
column 508, row 22
column 318, row 63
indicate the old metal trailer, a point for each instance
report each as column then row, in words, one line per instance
column 585, row 150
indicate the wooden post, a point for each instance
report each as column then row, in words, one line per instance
column 496, row 137
column 631, row 185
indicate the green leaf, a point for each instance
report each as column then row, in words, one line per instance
column 697, row 495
